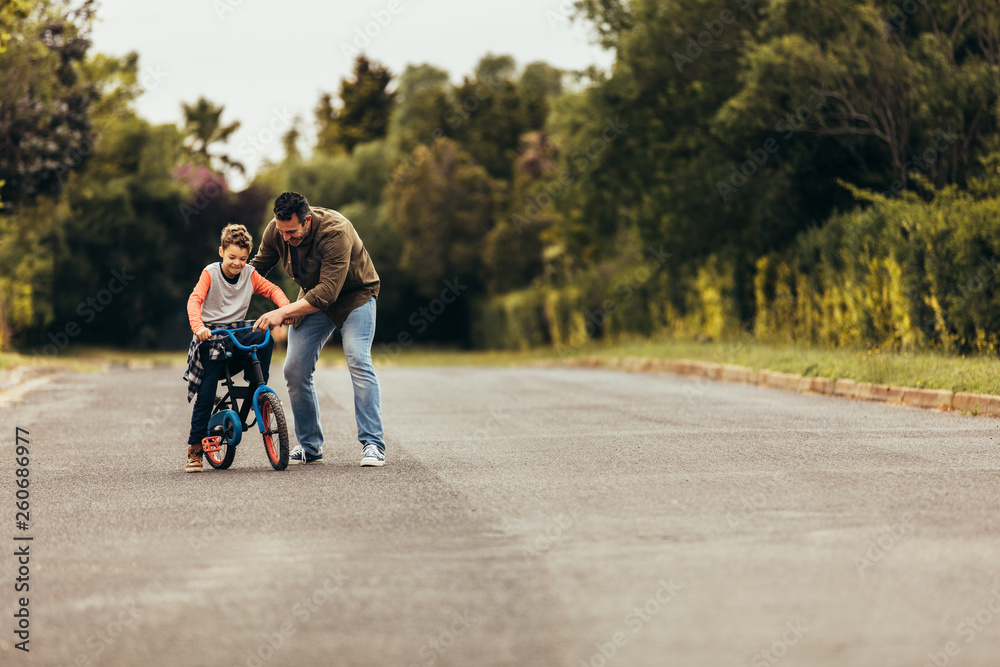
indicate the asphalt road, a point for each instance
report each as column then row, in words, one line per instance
column 525, row 517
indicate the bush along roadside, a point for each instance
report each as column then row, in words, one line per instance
column 894, row 273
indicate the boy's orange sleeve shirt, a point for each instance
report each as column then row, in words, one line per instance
column 267, row 289
column 197, row 298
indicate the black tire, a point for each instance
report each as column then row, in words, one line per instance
column 224, row 457
column 275, row 431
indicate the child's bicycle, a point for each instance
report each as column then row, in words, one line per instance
column 229, row 416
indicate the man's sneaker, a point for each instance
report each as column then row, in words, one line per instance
column 194, row 459
column 299, row 455
column 372, row 456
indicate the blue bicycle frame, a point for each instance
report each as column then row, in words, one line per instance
column 258, row 377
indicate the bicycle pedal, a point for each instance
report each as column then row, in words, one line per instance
column 211, row 444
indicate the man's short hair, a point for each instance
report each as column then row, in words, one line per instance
column 289, row 203
column 238, row 236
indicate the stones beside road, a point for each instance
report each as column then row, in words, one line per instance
column 976, row 404
column 931, row 399
column 785, row 381
column 739, row 374
column 845, row 388
column 882, row 393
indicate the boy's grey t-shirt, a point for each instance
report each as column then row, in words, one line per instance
column 227, row 302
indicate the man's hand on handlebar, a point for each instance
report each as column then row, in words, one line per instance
column 268, row 320
column 203, row 334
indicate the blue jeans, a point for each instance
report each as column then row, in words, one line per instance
column 205, row 400
column 304, row 345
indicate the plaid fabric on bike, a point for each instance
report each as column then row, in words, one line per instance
column 216, row 349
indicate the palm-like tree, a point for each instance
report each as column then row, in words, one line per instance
column 203, row 126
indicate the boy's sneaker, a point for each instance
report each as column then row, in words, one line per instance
column 372, row 456
column 299, row 455
column 194, row 459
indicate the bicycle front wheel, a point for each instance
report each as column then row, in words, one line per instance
column 275, row 430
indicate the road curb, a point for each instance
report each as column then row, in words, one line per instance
column 976, row 404
column 17, row 382
column 927, row 399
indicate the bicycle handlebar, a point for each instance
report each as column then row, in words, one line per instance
column 241, row 346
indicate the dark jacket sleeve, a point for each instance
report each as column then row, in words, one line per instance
column 267, row 254
column 335, row 255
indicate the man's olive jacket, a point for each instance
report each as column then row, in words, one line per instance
column 331, row 266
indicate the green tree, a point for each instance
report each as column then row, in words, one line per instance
column 494, row 67
column 204, row 128
column 739, row 119
column 12, row 13
column 290, row 142
column 443, row 211
column 514, row 251
column 611, row 19
column 44, row 127
column 328, row 130
column 45, row 133
column 489, row 116
column 539, row 83
column 365, row 106
column 122, row 216
column 891, row 83
column 423, row 97
column 726, row 131
column 26, row 267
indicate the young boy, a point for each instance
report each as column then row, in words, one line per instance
column 220, row 300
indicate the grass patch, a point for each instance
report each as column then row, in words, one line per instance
column 10, row 359
column 928, row 370
column 117, row 356
column 87, row 359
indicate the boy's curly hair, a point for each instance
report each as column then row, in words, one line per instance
column 238, row 236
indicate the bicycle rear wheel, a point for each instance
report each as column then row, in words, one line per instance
column 222, row 458
column 275, row 431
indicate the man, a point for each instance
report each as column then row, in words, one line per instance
column 321, row 251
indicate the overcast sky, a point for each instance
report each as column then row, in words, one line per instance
column 266, row 60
